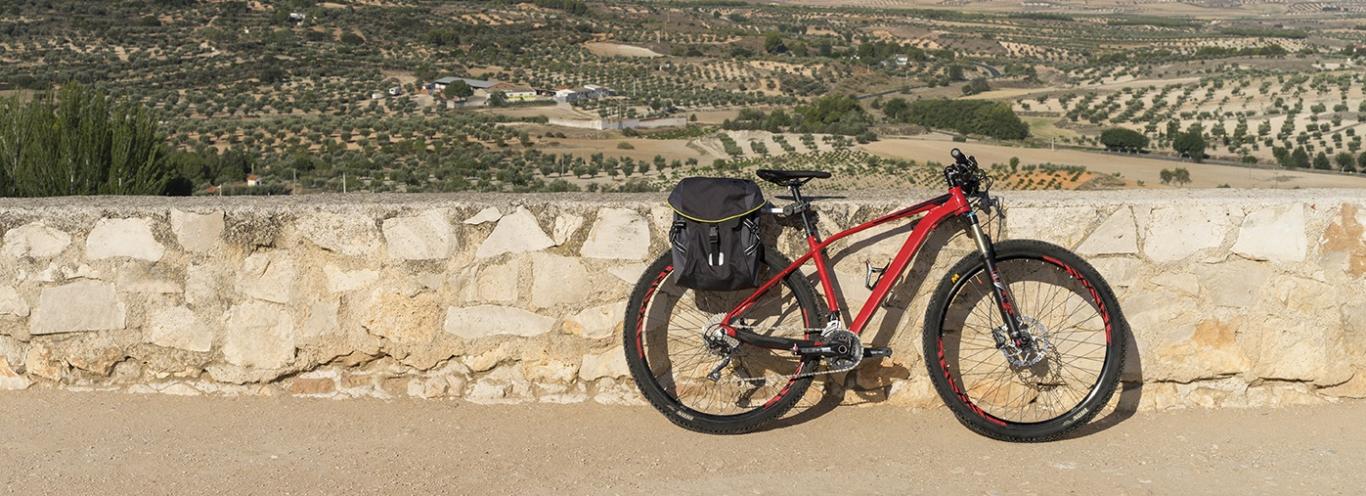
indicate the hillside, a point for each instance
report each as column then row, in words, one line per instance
column 410, row 95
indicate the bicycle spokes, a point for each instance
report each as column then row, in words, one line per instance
column 1046, row 368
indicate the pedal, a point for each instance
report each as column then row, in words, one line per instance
column 876, row 352
column 868, row 280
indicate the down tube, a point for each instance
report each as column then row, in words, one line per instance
column 903, row 258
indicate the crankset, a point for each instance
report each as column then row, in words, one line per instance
column 840, row 347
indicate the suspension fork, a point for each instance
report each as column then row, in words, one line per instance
column 999, row 291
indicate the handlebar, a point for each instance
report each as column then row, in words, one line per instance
column 964, row 173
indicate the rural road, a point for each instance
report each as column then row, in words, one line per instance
column 55, row 442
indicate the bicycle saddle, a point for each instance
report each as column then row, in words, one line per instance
column 790, row 177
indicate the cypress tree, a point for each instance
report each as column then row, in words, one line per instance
column 78, row 141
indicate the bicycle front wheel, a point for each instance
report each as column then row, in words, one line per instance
column 1058, row 376
column 704, row 387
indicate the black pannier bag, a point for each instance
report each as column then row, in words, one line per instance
column 715, row 233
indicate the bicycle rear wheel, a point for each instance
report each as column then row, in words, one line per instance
column 671, row 357
column 1064, row 374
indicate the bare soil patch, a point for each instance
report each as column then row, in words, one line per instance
column 605, row 49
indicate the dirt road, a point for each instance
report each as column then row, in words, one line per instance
column 98, row 443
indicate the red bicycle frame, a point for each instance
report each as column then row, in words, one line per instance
column 935, row 212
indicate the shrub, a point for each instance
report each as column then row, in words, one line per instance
column 1121, row 139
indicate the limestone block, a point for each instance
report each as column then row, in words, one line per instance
column 41, row 361
column 1118, row 235
column 341, row 281
column 629, row 273
column 428, row 387
column 517, row 232
column 565, row 227
column 502, row 385
column 77, row 307
column 131, row 238
column 1274, row 234
column 322, row 319
column 197, row 233
column 490, row 214
column 351, row 235
column 422, row 237
column 267, row 276
column 11, row 303
column 599, row 322
column 135, row 282
column 1293, row 350
column 178, row 327
column 403, row 315
column 1120, row 272
column 1354, row 388
column 608, row 364
column 1345, row 239
column 203, row 284
column 1178, row 281
column 35, row 240
column 1065, row 226
column 1233, row 284
column 619, row 233
column 491, row 320
column 485, row 392
column 10, row 380
column 1211, row 351
column 258, row 335
column 553, row 372
column 617, row 392
column 498, row 283
column 1177, row 232
column 558, row 280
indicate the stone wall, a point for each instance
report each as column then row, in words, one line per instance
column 1236, row 298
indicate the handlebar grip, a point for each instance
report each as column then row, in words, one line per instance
column 956, row 154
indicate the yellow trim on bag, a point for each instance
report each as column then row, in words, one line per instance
column 736, row 216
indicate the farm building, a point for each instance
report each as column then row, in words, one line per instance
column 586, row 92
column 514, row 92
column 477, row 84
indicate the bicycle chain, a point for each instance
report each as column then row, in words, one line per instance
column 805, row 330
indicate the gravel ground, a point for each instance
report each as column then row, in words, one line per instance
column 105, row 443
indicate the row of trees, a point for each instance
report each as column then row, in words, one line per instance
column 1299, row 159
column 988, row 118
column 840, row 115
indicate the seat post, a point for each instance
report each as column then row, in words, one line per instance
column 795, row 186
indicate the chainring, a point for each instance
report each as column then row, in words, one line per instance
column 843, row 337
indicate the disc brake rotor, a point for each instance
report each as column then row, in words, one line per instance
column 1032, row 347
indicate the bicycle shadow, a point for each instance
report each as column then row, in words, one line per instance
column 898, row 303
column 876, row 387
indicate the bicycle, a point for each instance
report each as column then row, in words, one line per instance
column 1023, row 340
